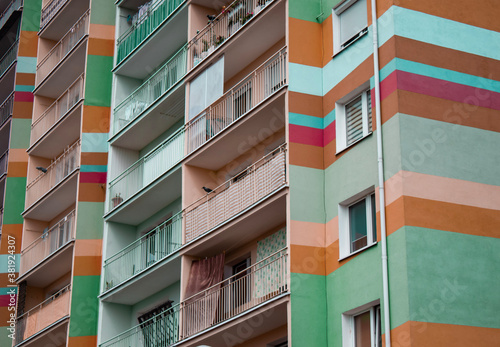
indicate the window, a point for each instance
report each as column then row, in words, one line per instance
column 357, row 223
column 353, row 119
column 362, row 328
column 350, row 21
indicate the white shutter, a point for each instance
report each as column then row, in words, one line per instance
column 354, row 120
column 353, row 20
column 369, row 107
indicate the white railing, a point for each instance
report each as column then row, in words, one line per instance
column 226, row 24
column 6, row 108
column 49, row 242
column 1, row 220
column 151, row 90
column 236, row 194
column 154, row 246
column 13, row 6
column 59, row 169
column 50, row 10
column 3, row 162
column 43, row 315
column 249, row 288
column 147, row 169
column 58, row 109
column 8, row 58
column 252, row 90
column 63, row 47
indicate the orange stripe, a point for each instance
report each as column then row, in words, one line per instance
column 17, row 169
column 82, row 341
column 25, row 79
column 310, row 105
column 395, row 216
column 327, row 40
column 92, row 158
column 91, row 192
column 28, row 44
column 22, row 110
column 88, row 248
column 305, row 42
column 87, row 266
column 15, row 230
column 96, row 119
column 102, row 31
column 306, row 155
column 307, row 260
column 101, row 47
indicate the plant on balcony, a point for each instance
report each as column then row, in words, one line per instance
column 205, row 45
column 116, row 200
column 246, row 17
column 219, row 39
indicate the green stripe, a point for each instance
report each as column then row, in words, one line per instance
column 20, row 133
column 15, row 190
column 84, row 306
column 31, row 15
column 93, row 168
column 307, row 194
column 98, row 81
column 89, row 224
column 103, row 12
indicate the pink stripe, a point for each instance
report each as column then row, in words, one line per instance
column 93, row 177
column 306, row 135
column 4, row 300
column 23, row 96
column 448, row 90
column 329, row 133
column 387, row 87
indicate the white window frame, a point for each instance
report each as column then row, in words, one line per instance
column 348, row 329
column 341, row 117
column 344, row 223
column 337, row 12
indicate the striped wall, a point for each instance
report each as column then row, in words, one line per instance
column 15, row 186
column 440, row 101
column 91, row 189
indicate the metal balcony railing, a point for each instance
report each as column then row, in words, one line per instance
column 147, row 169
column 150, row 17
column 4, row 159
column 225, row 25
column 6, row 108
column 43, row 315
column 63, row 47
column 58, row 109
column 252, row 90
column 151, row 90
column 13, row 6
column 48, row 243
column 154, row 246
column 249, row 288
column 235, row 195
column 1, row 220
column 8, row 58
column 59, row 169
column 50, row 10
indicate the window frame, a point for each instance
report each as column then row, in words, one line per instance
column 348, row 328
column 341, row 117
column 337, row 12
column 345, row 241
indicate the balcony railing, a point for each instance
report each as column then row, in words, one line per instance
column 150, row 17
column 50, row 10
column 13, row 6
column 43, row 315
column 63, row 47
column 151, row 90
column 1, row 220
column 154, row 246
column 147, row 169
column 58, row 109
column 6, row 109
column 4, row 159
column 235, row 195
column 225, row 25
column 59, row 169
column 247, row 289
column 48, row 243
column 8, row 58
column 252, row 90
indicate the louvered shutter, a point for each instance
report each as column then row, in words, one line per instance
column 369, row 102
column 354, row 120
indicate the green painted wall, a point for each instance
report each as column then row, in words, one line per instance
column 172, row 292
column 150, row 146
column 98, row 80
column 311, row 10
column 102, row 12
column 307, row 194
column 15, row 190
column 89, row 223
column 31, row 15
column 84, row 306
column 20, row 133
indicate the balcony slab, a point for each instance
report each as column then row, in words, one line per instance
column 64, row 19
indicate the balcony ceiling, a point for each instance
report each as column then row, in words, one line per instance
column 61, row 135
column 151, row 281
column 232, row 142
column 152, row 199
column 64, row 20
column 7, row 83
column 155, row 50
column 152, row 124
column 58, row 200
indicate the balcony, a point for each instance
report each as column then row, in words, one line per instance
column 6, row 109
column 57, row 172
column 1, row 220
column 14, row 5
column 8, row 58
column 237, row 194
column 48, row 243
column 4, row 159
column 49, row 312
column 57, row 111
column 239, row 294
column 145, row 252
column 150, row 91
column 50, row 10
column 266, row 80
column 144, row 24
column 62, row 49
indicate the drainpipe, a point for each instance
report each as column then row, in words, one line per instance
column 381, row 183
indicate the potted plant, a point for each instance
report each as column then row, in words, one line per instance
column 246, row 17
column 116, row 200
column 218, row 40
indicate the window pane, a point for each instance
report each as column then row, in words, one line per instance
column 353, row 20
column 362, row 330
column 354, row 120
column 374, row 218
column 357, row 225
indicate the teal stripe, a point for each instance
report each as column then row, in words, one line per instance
column 329, row 119
column 305, row 79
column 4, row 258
column 95, row 142
column 6, row 291
column 93, row 168
column 26, row 64
column 307, row 194
column 22, row 88
column 307, row 121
